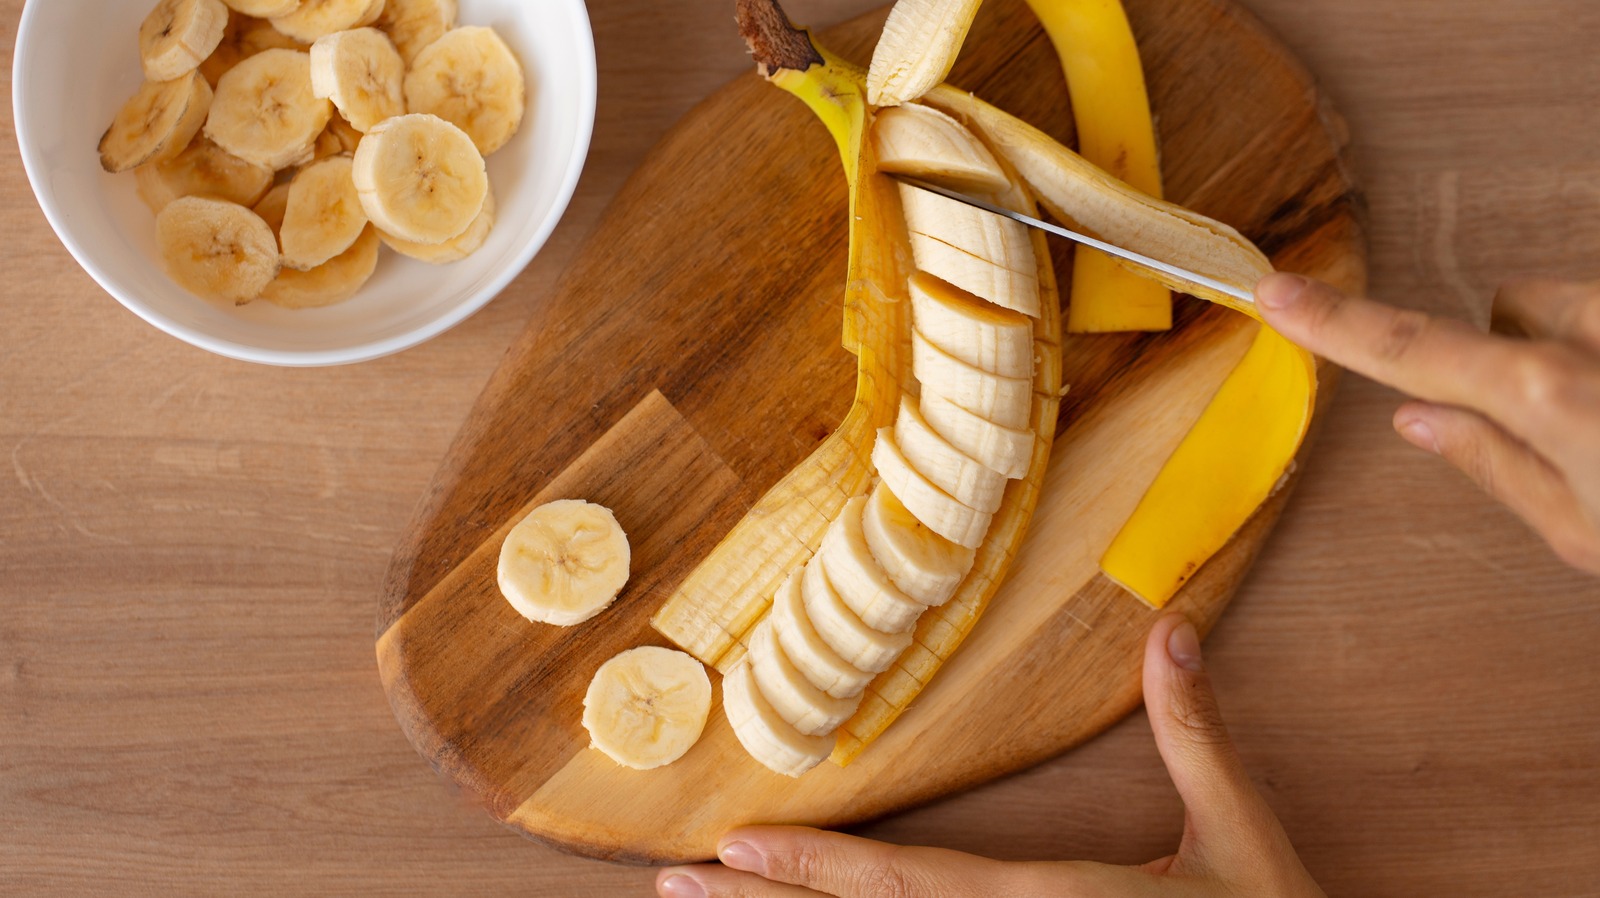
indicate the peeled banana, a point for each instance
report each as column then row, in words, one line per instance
column 865, row 648
column 945, row 466
column 564, row 562
column 859, row 579
column 923, row 142
column 334, row 281
column 994, row 339
column 1007, row 401
column 997, row 448
column 647, row 706
column 791, row 693
column 933, row 507
column 764, row 734
column 805, row 647
column 917, row 49
column 264, row 9
column 924, row 565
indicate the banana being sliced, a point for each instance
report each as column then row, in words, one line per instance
column 420, row 178
column 935, row 508
column 945, row 466
column 981, row 233
column 334, row 281
column 1000, row 449
column 453, row 250
column 647, row 706
column 265, row 111
column 923, row 142
column 204, row 169
column 984, row 336
column 217, row 250
column 324, row 216
column 865, row 649
column 470, row 78
column 157, row 123
column 1007, row 401
column 924, row 565
column 917, row 49
column 317, row 18
column 858, row 578
column 1015, row 290
column 564, row 563
column 801, row 704
column 768, row 738
column 362, row 73
column 178, row 35
column 414, row 24
column 264, row 9
column 807, row 650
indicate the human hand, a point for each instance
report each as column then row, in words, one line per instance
column 1232, row 844
column 1519, row 414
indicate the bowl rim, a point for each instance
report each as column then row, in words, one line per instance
column 587, row 88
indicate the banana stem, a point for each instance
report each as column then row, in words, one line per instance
column 775, row 42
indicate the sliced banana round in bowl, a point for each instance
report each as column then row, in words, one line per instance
column 157, row 123
column 204, row 169
column 470, row 78
column 455, row 249
column 564, row 562
column 414, row 24
column 314, row 19
column 362, row 73
column 324, row 216
column 217, row 250
column 420, row 178
column 265, row 111
column 178, row 35
column 647, row 706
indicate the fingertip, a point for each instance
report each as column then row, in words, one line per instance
column 1281, row 291
column 1414, row 421
column 1183, row 646
column 674, row 882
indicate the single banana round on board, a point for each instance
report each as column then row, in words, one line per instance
column 453, row 250
column 861, row 582
column 918, row 46
column 923, row 142
column 866, row 649
column 945, row 466
column 420, row 178
column 217, row 250
column 807, row 650
column 1007, row 401
column 157, row 123
column 1015, row 290
column 470, row 78
column 800, row 703
column 204, row 169
column 985, row 336
column 362, row 73
column 272, row 207
column 935, row 508
column 324, row 216
column 768, row 738
column 924, row 565
column 647, row 706
column 1000, row 449
column 414, row 24
column 265, row 111
column 317, row 18
column 265, row 9
column 564, row 563
column 178, row 35
column 334, row 281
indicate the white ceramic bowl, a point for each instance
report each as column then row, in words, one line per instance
column 77, row 62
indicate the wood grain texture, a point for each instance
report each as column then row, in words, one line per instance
column 190, row 547
column 726, row 312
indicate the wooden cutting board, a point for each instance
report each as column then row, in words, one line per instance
column 690, row 356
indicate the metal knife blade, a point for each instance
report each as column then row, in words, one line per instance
column 1182, row 274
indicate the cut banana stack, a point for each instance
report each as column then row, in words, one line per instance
column 374, row 116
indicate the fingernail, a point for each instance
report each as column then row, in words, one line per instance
column 680, row 886
column 741, row 856
column 1280, row 291
column 1419, row 434
column 1183, row 646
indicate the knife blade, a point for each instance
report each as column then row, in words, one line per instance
column 1182, row 274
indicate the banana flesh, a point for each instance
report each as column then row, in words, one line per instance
column 1000, row 449
column 323, row 216
column 265, row 111
column 921, row 563
column 996, row 340
column 918, row 47
column 1015, row 290
column 858, row 578
column 178, row 35
column 470, row 78
column 334, row 281
column 946, row 467
column 647, row 706
column 157, row 123
column 1007, row 401
column 216, row 250
column 866, row 649
column 763, row 733
column 564, row 563
column 454, row 249
column 802, row 705
column 362, row 73
column 420, row 178
column 203, row 169
column 806, row 648
column 923, row 142
column 976, row 231
column 264, row 9
column 414, row 24
column 318, row 18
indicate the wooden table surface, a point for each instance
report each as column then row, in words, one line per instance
column 190, row 547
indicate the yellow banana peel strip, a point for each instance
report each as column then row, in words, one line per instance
column 1105, row 79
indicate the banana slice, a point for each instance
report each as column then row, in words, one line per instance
column 362, row 73
column 156, row 124
column 865, row 649
column 272, row 207
column 924, row 565
column 923, row 142
column 265, row 111
column 917, row 49
column 935, row 508
column 1007, row 401
column 945, row 466
column 469, row 77
column 858, row 578
column 217, row 250
column 336, row 139
column 324, row 216
column 334, row 281
column 265, row 9
column 801, row 705
column 807, row 650
column 1008, row 289
column 318, row 18
column 420, row 178
column 453, row 250
column 414, row 24
column 766, row 736
column 647, row 706
column 983, row 234
column 204, row 169
column 984, row 336
column 243, row 38
column 178, row 35
column 564, row 563
column 1000, row 449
